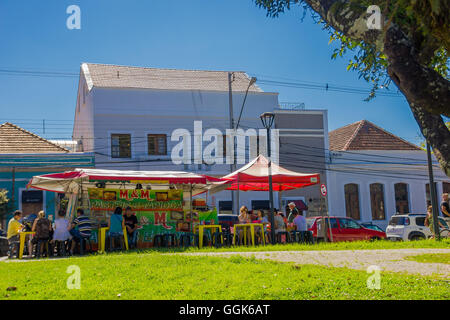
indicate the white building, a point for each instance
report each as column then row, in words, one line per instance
column 126, row 116
column 372, row 174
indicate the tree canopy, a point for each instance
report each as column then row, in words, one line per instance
column 411, row 49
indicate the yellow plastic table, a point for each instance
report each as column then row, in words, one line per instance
column 201, row 228
column 252, row 232
column 22, row 237
column 102, row 238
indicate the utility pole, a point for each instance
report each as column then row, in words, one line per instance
column 434, row 202
column 252, row 81
column 233, row 164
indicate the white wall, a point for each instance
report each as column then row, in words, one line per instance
column 140, row 112
column 83, row 129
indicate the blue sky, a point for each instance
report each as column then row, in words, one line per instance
column 195, row 34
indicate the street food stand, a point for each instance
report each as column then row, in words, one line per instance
column 254, row 176
column 161, row 200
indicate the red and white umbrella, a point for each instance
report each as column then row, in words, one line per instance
column 70, row 181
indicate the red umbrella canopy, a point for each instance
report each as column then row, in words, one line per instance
column 255, row 177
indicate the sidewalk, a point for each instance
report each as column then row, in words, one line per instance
column 388, row 260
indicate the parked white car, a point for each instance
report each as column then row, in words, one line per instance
column 411, row 227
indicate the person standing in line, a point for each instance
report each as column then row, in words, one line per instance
column 292, row 209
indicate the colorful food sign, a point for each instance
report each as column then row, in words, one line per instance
column 157, row 211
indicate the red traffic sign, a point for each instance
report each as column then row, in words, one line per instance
column 323, row 189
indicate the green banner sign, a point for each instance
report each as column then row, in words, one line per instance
column 157, row 211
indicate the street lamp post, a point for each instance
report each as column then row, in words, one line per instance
column 267, row 121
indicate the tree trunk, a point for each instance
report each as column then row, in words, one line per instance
column 421, row 87
column 427, row 92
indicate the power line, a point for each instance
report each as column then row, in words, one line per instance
column 300, row 84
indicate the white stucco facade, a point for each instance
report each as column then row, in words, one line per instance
column 386, row 167
column 101, row 112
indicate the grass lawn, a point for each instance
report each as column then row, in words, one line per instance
column 154, row 275
column 349, row 245
column 431, row 258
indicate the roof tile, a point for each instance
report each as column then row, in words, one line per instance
column 113, row 76
column 364, row 135
column 14, row 139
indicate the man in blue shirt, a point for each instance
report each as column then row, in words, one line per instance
column 300, row 222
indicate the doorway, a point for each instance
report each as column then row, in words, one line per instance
column 31, row 201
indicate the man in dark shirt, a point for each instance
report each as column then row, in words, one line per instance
column 445, row 208
column 131, row 224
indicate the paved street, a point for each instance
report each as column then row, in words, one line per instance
column 387, row 260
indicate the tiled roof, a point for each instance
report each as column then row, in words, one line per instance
column 364, row 135
column 14, row 139
column 113, row 76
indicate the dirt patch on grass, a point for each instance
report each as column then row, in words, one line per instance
column 388, row 260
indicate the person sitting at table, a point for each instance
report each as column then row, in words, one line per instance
column 61, row 226
column 244, row 219
column 280, row 224
column 258, row 219
column 43, row 231
column 243, row 215
column 253, row 216
column 80, row 228
column 300, row 224
column 116, row 224
column 12, row 234
column 265, row 222
column 131, row 223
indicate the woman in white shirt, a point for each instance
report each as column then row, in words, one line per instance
column 61, row 226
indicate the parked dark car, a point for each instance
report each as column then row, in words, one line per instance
column 227, row 220
column 370, row 225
